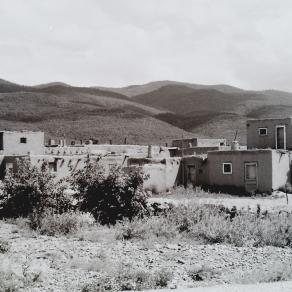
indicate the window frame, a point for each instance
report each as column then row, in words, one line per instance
column 263, row 128
column 23, row 140
column 223, row 169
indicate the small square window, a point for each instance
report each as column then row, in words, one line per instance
column 23, row 140
column 227, row 168
column 263, row 131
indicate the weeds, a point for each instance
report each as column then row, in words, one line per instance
column 50, row 223
column 4, row 246
column 125, row 277
column 200, row 273
column 212, row 224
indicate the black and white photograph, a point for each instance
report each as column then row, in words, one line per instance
column 145, row 145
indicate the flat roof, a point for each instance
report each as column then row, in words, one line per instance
column 246, row 151
column 269, row 119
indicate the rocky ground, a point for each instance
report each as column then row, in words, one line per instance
column 68, row 263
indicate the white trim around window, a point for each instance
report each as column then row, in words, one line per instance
column 263, row 131
column 227, row 168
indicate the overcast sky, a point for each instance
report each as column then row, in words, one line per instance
column 245, row 43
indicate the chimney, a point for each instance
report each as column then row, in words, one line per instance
column 234, row 145
column 149, row 151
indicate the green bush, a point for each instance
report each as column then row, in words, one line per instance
column 31, row 188
column 110, row 197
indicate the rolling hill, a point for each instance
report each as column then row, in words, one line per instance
column 80, row 113
column 155, row 112
column 215, row 111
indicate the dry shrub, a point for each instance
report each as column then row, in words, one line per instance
column 4, row 246
column 125, row 277
column 201, row 272
column 51, row 224
column 148, row 227
column 212, row 224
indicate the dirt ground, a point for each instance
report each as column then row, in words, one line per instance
column 68, row 263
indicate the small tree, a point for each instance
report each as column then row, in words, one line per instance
column 110, row 197
column 31, row 189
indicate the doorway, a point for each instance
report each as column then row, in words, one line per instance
column 251, row 176
column 281, row 137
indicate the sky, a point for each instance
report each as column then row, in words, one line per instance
column 244, row 43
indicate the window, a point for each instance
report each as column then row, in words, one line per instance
column 263, row 131
column 227, row 168
column 9, row 167
column 52, row 166
column 23, row 140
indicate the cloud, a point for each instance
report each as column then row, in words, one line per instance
column 245, row 43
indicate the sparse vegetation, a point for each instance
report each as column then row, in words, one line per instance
column 213, row 224
column 51, row 223
column 4, row 246
column 125, row 277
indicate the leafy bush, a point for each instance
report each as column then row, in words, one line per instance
column 110, row 197
column 31, row 188
column 51, row 223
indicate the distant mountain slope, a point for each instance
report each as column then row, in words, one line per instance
column 134, row 90
column 80, row 113
column 214, row 113
column 155, row 112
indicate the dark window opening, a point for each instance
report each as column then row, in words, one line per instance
column 263, row 131
column 1, row 141
column 227, row 168
column 52, row 166
column 23, row 140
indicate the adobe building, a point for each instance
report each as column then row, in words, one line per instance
column 62, row 158
column 197, row 146
column 269, row 133
column 248, row 171
column 21, row 142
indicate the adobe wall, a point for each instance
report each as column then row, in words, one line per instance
column 254, row 140
column 100, row 149
column 12, row 146
column 162, row 176
column 280, row 169
column 200, row 171
column 198, row 142
column 238, row 158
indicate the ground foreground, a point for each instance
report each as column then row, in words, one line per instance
column 70, row 263
column 263, row 287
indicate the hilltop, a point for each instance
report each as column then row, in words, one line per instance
column 155, row 112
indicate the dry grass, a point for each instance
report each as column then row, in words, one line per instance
column 60, row 224
column 125, row 277
column 212, row 224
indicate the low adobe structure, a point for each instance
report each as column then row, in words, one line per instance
column 263, row 166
